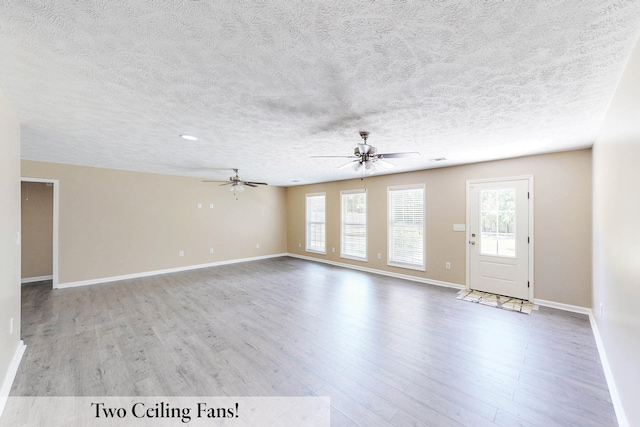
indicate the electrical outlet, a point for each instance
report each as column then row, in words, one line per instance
column 379, row 255
column 333, row 249
column 210, row 205
column 199, row 205
column 11, row 326
column 257, row 245
column 181, row 253
column 210, row 250
column 447, row 265
column 299, row 245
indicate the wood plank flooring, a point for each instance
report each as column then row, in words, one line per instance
column 387, row 351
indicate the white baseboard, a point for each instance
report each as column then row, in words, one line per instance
column 381, row 272
column 561, row 306
column 11, row 375
column 165, row 271
column 608, row 374
column 36, row 279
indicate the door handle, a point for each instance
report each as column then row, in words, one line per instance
column 472, row 242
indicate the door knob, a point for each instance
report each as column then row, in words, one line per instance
column 472, row 242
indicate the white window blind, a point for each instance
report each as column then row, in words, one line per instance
column 406, row 227
column 353, row 232
column 315, row 219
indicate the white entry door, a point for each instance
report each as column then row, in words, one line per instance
column 499, row 236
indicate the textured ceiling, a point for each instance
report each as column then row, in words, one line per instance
column 266, row 85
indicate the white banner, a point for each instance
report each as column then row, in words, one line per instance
column 166, row 411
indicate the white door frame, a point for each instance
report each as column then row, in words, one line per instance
column 56, row 205
column 529, row 179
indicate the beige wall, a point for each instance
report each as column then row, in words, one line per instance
column 562, row 210
column 37, row 229
column 616, row 237
column 116, row 223
column 9, row 229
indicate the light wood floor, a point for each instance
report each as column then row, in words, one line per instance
column 387, row 351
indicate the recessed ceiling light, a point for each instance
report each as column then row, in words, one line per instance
column 188, row 137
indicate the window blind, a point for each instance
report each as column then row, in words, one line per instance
column 353, row 236
column 406, row 226
column 315, row 223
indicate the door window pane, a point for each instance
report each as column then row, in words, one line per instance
column 498, row 222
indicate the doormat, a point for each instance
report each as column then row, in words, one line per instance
column 499, row 301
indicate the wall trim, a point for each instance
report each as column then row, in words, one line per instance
column 36, row 279
column 11, row 375
column 164, row 271
column 608, row 374
column 381, row 272
column 564, row 307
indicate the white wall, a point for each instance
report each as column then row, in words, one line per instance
column 616, row 238
column 9, row 247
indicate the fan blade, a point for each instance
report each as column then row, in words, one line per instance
column 227, row 183
column 398, row 155
column 212, row 180
column 347, row 164
column 341, row 157
column 384, row 164
column 251, row 183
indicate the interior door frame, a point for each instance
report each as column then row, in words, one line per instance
column 56, row 216
column 529, row 179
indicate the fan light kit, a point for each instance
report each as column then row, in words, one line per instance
column 366, row 157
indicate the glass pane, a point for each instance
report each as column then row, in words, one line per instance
column 507, row 245
column 488, row 199
column 498, row 222
column 489, row 244
column 507, row 199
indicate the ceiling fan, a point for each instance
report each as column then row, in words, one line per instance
column 366, row 156
column 237, row 183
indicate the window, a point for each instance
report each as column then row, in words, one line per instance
column 353, row 230
column 406, row 226
column 315, row 230
column 498, row 214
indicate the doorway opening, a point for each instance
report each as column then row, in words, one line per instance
column 36, row 212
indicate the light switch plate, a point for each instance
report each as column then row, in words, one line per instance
column 459, row 227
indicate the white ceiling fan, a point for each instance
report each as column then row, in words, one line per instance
column 237, row 183
column 366, row 157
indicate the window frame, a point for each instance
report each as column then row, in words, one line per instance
column 307, row 223
column 342, row 225
column 390, row 261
